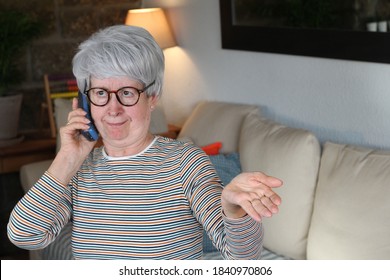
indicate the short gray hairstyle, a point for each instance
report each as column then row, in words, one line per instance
column 121, row 51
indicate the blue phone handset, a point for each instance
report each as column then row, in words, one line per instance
column 91, row 133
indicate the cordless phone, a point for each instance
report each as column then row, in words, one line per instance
column 91, row 133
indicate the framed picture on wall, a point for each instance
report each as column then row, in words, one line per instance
column 340, row 29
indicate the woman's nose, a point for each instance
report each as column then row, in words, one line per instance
column 114, row 107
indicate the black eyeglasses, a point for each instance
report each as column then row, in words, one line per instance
column 127, row 96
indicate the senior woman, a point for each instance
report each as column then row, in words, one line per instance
column 139, row 196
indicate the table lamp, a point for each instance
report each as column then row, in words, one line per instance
column 155, row 21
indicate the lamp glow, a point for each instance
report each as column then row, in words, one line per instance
column 153, row 20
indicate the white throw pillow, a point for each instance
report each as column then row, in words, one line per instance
column 213, row 121
column 351, row 217
column 292, row 155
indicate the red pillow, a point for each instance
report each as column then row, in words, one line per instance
column 212, row 149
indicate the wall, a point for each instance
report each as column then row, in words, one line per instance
column 340, row 101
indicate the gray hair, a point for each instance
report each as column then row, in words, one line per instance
column 121, row 51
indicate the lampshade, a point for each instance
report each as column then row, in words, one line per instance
column 153, row 20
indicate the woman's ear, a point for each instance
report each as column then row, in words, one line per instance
column 153, row 101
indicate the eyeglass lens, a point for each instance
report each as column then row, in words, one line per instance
column 127, row 96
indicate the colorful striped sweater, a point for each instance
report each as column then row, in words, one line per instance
column 152, row 205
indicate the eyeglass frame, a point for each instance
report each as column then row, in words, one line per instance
column 139, row 91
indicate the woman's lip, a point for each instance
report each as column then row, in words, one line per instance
column 115, row 124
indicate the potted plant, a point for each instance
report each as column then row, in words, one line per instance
column 17, row 30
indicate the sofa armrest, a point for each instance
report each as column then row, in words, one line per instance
column 30, row 173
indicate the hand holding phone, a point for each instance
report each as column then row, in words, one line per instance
column 91, row 133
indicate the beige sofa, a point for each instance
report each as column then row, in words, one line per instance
column 336, row 198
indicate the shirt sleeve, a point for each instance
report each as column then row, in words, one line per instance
column 244, row 237
column 39, row 216
column 234, row 238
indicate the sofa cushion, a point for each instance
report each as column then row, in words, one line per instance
column 293, row 155
column 213, row 121
column 351, row 217
column 227, row 166
column 212, row 149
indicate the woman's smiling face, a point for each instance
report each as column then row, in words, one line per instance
column 118, row 124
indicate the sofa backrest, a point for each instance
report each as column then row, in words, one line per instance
column 213, row 121
column 351, row 217
column 292, row 155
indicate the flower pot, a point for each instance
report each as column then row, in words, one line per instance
column 9, row 117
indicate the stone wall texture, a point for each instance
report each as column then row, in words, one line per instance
column 66, row 24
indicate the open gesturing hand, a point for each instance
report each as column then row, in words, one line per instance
column 251, row 193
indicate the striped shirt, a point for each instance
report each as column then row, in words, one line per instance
column 152, row 205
